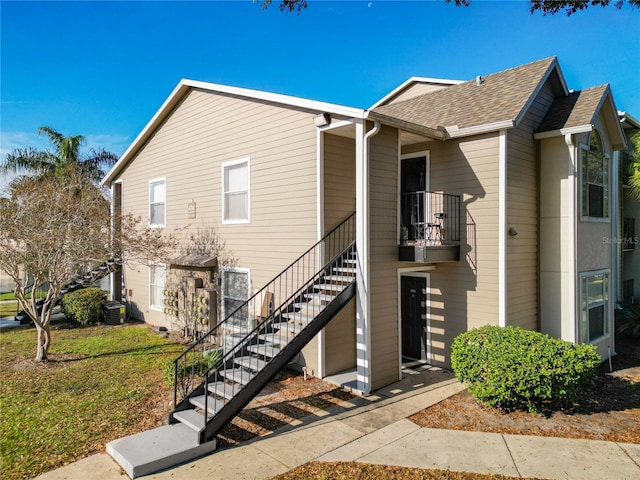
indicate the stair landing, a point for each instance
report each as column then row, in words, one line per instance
column 157, row 449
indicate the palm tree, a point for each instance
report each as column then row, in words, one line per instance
column 66, row 155
column 634, row 167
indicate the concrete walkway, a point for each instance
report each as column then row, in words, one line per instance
column 375, row 430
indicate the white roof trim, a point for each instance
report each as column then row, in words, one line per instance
column 453, row 131
column 277, row 98
column 563, row 132
column 628, row 118
column 185, row 85
column 411, row 81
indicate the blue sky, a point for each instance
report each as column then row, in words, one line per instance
column 102, row 69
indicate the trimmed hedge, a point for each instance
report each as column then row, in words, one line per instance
column 84, row 306
column 512, row 368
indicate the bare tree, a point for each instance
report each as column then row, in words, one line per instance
column 53, row 229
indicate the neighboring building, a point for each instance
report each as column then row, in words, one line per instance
column 481, row 202
column 629, row 235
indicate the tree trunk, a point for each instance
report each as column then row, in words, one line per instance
column 44, row 340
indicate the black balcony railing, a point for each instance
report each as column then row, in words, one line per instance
column 429, row 218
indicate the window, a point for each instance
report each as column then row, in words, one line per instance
column 235, row 291
column 235, row 193
column 594, row 294
column 595, row 179
column 157, row 195
column 157, row 279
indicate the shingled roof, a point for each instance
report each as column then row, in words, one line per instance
column 575, row 110
column 500, row 99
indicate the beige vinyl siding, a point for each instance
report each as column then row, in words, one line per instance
column 339, row 202
column 558, row 203
column 383, row 258
column 464, row 294
column 522, row 175
column 339, row 179
column 204, row 131
column 340, row 341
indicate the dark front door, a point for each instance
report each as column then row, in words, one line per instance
column 413, row 296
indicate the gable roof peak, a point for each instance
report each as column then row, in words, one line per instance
column 499, row 101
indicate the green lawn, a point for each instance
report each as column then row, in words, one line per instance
column 12, row 296
column 94, row 390
column 8, row 309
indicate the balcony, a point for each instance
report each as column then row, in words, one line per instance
column 430, row 227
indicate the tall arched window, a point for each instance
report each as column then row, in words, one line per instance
column 595, row 179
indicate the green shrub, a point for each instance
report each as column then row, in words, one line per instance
column 84, row 306
column 194, row 364
column 512, row 368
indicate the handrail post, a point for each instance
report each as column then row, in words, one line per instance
column 175, row 383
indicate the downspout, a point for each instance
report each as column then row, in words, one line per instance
column 363, row 322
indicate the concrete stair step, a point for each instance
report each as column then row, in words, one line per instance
column 238, row 375
column 328, row 287
column 290, row 328
column 338, row 278
column 264, row 350
column 301, row 317
column 350, row 270
column 250, row 363
column 322, row 297
column 276, row 338
column 158, row 449
column 192, row 419
column 224, row 389
column 214, row 404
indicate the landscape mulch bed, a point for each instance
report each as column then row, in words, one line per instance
column 609, row 410
column 289, row 397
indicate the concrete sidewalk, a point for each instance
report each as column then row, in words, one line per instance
column 375, row 430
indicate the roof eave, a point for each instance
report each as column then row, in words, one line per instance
column 455, row 132
column 168, row 105
column 626, row 117
column 561, row 132
column 437, row 134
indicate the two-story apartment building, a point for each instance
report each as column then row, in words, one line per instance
column 488, row 201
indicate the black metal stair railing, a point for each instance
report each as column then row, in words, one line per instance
column 267, row 307
column 274, row 342
column 89, row 276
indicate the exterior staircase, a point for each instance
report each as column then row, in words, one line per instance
column 82, row 281
column 222, row 372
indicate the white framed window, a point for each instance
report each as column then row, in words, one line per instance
column 235, row 292
column 157, row 202
column 594, row 168
column 157, row 281
column 236, row 191
column 594, row 305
